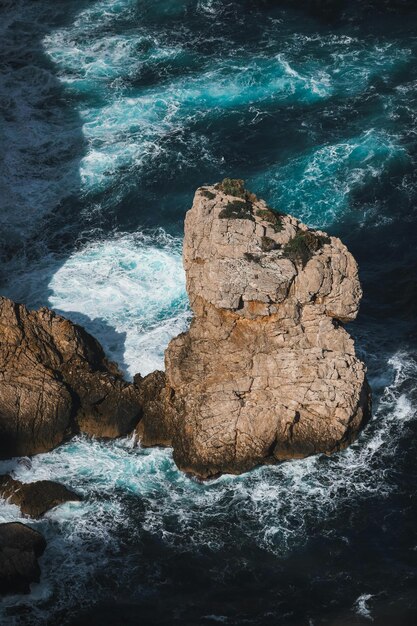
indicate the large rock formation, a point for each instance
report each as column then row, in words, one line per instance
column 266, row 372
column 55, row 381
column 20, row 548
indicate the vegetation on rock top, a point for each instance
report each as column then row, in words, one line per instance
column 208, row 194
column 273, row 217
column 238, row 210
column 236, row 187
column 233, row 187
column 303, row 245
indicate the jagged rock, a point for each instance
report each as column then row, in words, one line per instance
column 20, row 548
column 154, row 427
column 55, row 381
column 266, row 371
column 35, row 499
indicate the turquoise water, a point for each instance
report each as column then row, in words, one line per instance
column 111, row 114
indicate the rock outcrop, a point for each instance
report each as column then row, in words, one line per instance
column 35, row 499
column 266, row 371
column 153, row 429
column 20, row 548
column 54, row 382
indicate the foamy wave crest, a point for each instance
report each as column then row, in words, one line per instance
column 319, row 187
column 361, row 606
column 129, row 292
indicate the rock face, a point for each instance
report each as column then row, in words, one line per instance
column 35, row 499
column 153, row 429
column 20, row 548
column 266, row 372
column 55, row 381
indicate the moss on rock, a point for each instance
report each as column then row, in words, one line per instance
column 238, row 210
column 268, row 244
column 236, row 187
column 273, row 217
column 233, row 187
column 303, row 245
column 208, row 194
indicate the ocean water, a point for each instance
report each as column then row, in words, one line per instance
column 112, row 112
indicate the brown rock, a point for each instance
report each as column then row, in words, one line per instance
column 20, row 548
column 55, row 381
column 154, row 429
column 35, row 499
column 266, row 372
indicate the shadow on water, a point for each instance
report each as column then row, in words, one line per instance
column 42, row 145
column 42, row 139
column 112, row 340
column 42, row 142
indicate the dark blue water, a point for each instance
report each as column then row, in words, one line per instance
column 112, row 112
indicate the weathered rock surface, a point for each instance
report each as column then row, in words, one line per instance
column 153, row 428
column 55, row 381
column 20, row 548
column 35, row 499
column 266, row 371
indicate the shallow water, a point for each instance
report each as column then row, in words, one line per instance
column 112, row 113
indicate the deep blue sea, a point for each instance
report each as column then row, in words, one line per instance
column 112, row 113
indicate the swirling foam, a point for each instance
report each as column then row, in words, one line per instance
column 127, row 128
column 319, row 187
column 129, row 292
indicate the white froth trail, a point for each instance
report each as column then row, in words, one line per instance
column 318, row 186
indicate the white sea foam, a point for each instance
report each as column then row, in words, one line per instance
column 318, row 187
column 124, row 129
column 361, row 606
column 129, row 292
column 209, row 7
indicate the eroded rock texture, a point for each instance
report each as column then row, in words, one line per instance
column 266, row 371
column 55, row 381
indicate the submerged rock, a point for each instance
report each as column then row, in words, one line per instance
column 266, row 372
column 35, row 499
column 55, row 381
column 20, row 548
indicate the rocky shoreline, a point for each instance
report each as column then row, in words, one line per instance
column 266, row 372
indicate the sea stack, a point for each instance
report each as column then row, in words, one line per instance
column 266, row 372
